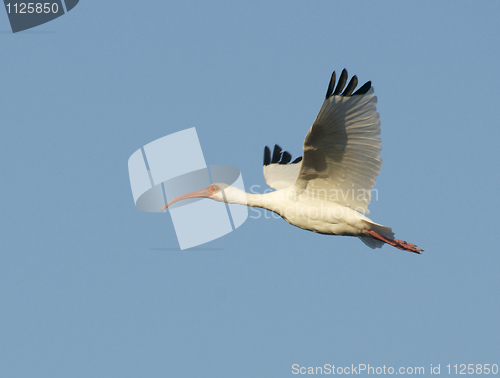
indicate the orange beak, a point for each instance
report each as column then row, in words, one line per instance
column 204, row 193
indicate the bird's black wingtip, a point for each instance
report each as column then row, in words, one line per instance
column 331, row 86
column 341, row 83
column 337, row 91
column 278, row 156
column 267, row 156
column 285, row 158
column 363, row 89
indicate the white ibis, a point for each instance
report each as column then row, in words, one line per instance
column 329, row 189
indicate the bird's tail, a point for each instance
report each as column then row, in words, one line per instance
column 378, row 235
column 372, row 242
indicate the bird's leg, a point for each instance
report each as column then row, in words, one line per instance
column 405, row 243
column 399, row 244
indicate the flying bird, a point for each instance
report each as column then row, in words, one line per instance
column 328, row 189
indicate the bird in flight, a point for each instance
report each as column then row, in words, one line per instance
column 328, row 189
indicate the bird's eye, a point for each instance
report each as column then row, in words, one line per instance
column 214, row 188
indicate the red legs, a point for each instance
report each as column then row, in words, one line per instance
column 399, row 244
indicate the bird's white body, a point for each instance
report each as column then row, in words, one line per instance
column 324, row 217
column 312, row 214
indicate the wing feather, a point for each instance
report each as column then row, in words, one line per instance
column 341, row 152
column 278, row 171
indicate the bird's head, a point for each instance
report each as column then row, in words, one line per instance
column 218, row 192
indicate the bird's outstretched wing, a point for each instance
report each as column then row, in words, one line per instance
column 341, row 150
column 279, row 171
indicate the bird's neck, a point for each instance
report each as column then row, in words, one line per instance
column 272, row 201
column 255, row 200
column 248, row 199
column 268, row 201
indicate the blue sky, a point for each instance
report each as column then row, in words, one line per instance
column 92, row 287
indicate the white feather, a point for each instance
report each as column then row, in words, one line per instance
column 341, row 151
column 281, row 176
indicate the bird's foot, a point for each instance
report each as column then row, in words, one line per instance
column 399, row 244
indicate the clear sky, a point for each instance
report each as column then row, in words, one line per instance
column 92, row 287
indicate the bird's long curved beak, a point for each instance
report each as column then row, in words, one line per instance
column 203, row 193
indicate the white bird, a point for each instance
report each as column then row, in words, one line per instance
column 329, row 189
